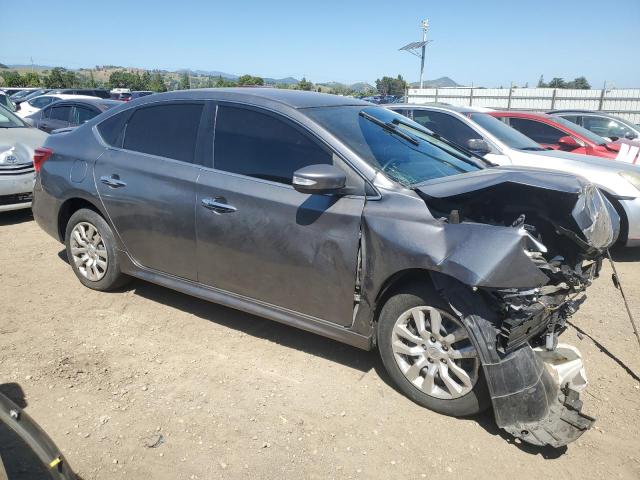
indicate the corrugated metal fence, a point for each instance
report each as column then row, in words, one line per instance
column 623, row 102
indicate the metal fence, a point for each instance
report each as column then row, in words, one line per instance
column 622, row 102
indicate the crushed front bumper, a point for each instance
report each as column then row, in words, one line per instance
column 536, row 395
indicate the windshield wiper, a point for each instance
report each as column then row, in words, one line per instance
column 389, row 127
column 532, row 149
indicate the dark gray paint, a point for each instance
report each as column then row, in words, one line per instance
column 269, row 250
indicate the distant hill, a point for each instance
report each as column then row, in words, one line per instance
column 437, row 83
column 282, row 81
column 359, row 87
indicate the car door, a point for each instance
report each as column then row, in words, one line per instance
column 54, row 117
column 260, row 238
column 546, row 135
column 146, row 179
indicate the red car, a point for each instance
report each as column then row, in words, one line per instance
column 559, row 134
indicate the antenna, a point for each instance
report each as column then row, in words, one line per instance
column 419, row 48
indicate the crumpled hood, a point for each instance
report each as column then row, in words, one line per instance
column 22, row 142
column 575, row 206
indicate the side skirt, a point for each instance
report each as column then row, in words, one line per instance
column 245, row 304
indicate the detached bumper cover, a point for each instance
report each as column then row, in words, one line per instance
column 39, row 442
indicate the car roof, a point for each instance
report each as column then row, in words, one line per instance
column 430, row 106
column 68, row 96
column 516, row 114
column 81, row 100
column 257, row 96
column 576, row 111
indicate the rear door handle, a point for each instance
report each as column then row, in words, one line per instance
column 218, row 205
column 113, row 181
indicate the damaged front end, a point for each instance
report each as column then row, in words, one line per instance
column 515, row 285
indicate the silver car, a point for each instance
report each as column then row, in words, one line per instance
column 18, row 142
column 500, row 144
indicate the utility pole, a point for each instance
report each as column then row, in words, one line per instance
column 419, row 49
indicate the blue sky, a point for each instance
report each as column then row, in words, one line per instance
column 487, row 42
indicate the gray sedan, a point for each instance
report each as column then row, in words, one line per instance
column 350, row 221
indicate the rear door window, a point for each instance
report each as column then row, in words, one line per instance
column 61, row 113
column 262, row 146
column 82, row 115
column 167, row 130
column 537, row 131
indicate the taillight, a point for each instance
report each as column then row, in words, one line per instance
column 40, row 156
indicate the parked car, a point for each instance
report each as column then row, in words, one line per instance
column 92, row 92
column 485, row 135
column 18, row 142
column 128, row 96
column 69, row 113
column 35, row 105
column 5, row 101
column 608, row 126
column 21, row 94
column 31, row 95
column 13, row 90
column 558, row 134
column 348, row 220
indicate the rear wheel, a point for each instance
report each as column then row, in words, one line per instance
column 91, row 251
column 428, row 354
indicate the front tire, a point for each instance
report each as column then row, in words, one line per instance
column 91, row 251
column 429, row 355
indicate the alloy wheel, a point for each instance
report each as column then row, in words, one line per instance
column 433, row 351
column 88, row 251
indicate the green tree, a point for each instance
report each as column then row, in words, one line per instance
column 145, row 83
column 248, row 80
column 157, row 83
column 557, row 82
column 185, row 84
column 304, row 84
column 391, row 86
column 12, row 78
column 579, row 83
column 60, row 77
column 541, row 83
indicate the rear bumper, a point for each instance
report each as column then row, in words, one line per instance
column 632, row 210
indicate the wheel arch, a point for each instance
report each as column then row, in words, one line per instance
column 399, row 280
column 71, row 206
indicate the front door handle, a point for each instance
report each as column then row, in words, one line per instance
column 218, row 205
column 113, row 181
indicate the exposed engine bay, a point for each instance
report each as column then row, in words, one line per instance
column 534, row 381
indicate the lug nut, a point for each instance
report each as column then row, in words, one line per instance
column 443, row 360
column 430, row 360
column 433, row 339
column 445, row 348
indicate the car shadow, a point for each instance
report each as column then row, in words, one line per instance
column 313, row 344
column 15, row 217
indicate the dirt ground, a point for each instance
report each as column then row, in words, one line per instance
column 148, row 383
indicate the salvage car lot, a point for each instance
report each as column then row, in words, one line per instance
column 150, row 382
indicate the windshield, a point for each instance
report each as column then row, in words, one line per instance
column 589, row 135
column 9, row 120
column 503, row 132
column 391, row 143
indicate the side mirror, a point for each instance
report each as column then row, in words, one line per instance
column 568, row 143
column 478, row 146
column 630, row 135
column 319, row 179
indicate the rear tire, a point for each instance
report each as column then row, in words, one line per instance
column 92, row 253
column 428, row 354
